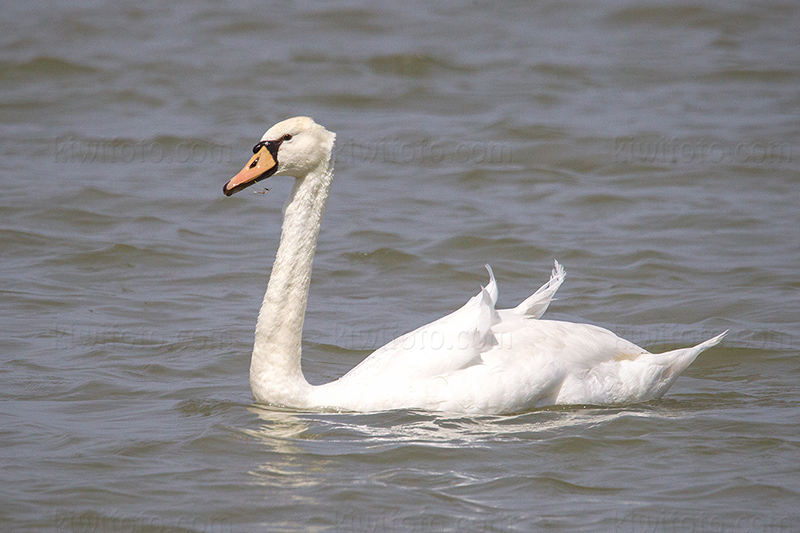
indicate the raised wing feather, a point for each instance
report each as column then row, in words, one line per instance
column 536, row 304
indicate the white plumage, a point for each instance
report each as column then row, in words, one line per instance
column 477, row 359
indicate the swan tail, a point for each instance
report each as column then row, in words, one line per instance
column 536, row 304
column 710, row 342
column 676, row 361
column 685, row 356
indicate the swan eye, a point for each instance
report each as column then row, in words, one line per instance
column 287, row 137
column 254, row 163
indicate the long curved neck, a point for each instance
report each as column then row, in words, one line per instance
column 275, row 373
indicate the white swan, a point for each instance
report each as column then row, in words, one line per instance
column 477, row 359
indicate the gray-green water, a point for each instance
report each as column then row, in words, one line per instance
column 652, row 147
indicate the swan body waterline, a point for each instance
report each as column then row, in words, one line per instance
column 477, row 360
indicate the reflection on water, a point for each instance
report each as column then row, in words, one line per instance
column 289, row 431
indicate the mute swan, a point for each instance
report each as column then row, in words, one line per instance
column 477, row 360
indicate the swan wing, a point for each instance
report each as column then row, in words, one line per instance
column 536, row 304
column 450, row 343
column 453, row 342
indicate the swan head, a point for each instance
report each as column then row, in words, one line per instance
column 293, row 147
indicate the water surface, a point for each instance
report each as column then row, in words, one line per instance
column 652, row 148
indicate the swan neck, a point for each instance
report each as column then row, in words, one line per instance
column 276, row 375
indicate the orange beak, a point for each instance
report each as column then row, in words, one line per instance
column 261, row 166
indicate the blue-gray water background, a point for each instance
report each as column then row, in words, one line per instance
column 651, row 147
